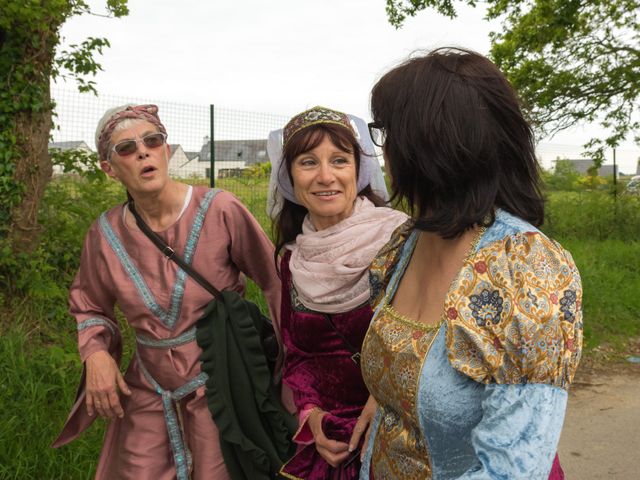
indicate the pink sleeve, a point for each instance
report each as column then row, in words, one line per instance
column 304, row 435
column 90, row 299
column 252, row 252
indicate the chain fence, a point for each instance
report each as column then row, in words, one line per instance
column 239, row 161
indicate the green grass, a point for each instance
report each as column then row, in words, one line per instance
column 39, row 366
column 611, row 286
column 38, row 383
column 592, row 216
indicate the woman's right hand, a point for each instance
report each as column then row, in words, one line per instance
column 332, row 451
column 103, row 380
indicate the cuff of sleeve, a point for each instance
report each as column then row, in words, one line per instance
column 304, row 436
column 95, row 334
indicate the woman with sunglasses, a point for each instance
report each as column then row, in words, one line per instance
column 477, row 330
column 160, row 427
column 329, row 224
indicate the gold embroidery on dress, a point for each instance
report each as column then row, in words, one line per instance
column 514, row 314
column 394, row 352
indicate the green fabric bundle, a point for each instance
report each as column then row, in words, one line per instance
column 255, row 429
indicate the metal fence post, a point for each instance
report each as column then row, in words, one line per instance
column 212, row 148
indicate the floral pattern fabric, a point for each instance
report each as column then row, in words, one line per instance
column 512, row 318
column 514, row 313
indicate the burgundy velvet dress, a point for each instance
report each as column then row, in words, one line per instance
column 320, row 371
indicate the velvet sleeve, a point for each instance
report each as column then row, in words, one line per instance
column 298, row 372
column 252, row 252
column 518, row 435
column 91, row 301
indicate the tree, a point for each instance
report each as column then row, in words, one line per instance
column 29, row 60
column 571, row 61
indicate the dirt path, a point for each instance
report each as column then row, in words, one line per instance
column 601, row 434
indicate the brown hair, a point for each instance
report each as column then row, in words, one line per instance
column 457, row 143
column 288, row 224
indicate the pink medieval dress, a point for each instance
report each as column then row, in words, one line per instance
column 167, row 431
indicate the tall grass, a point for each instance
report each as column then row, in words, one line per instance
column 593, row 216
column 38, row 381
column 611, row 289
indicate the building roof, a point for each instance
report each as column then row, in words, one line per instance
column 247, row 151
column 69, row 145
column 582, row 166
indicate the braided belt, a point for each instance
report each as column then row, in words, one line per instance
column 181, row 454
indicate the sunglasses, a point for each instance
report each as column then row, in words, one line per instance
column 378, row 133
column 153, row 140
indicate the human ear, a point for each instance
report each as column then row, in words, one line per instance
column 108, row 169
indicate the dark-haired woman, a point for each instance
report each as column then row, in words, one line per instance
column 477, row 329
column 330, row 225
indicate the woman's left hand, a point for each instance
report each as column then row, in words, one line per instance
column 363, row 425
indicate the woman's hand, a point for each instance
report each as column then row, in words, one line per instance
column 103, row 380
column 332, row 451
column 363, row 425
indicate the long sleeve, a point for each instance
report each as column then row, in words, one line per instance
column 91, row 301
column 517, row 329
column 299, row 371
column 252, row 252
column 518, row 435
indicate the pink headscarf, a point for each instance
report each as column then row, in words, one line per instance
column 148, row 113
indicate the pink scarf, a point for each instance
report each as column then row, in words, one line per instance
column 329, row 268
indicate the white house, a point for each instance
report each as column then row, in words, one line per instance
column 80, row 145
column 231, row 158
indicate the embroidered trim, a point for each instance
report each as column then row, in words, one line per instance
column 288, row 475
column 393, row 313
column 181, row 454
column 94, row 322
column 164, row 343
column 167, row 317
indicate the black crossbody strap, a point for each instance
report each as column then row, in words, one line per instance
column 168, row 252
column 355, row 352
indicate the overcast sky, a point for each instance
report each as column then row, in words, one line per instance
column 276, row 56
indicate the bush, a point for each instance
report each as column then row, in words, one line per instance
column 592, row 216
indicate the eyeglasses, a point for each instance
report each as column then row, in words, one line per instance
column 378, row 133
column 153, row 140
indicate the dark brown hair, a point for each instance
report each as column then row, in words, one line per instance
column 457, row 143
column 288, row 224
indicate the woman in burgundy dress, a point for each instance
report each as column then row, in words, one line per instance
column 330, row 225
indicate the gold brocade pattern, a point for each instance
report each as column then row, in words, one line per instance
column 395, row 350
column 514, row 313
column 383, row 265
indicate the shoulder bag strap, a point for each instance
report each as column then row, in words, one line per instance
column 168, row 252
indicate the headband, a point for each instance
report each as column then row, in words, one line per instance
column 315, row 116
column 108, row 123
